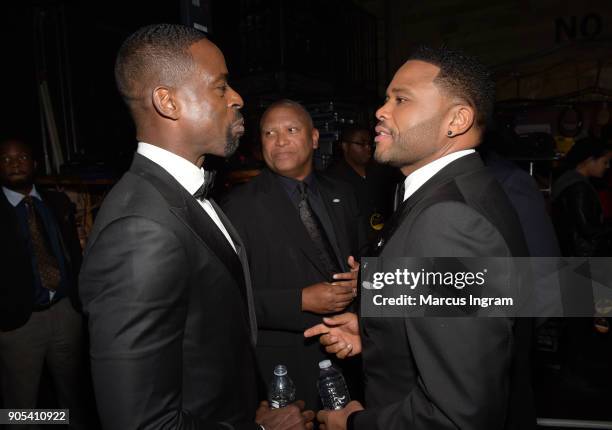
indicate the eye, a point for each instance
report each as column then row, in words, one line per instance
column 268, row 133
column 222, row 88
column 293, row 130
column 400, row 100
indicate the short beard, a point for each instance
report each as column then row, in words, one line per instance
column 231, row 143
column 416, row 143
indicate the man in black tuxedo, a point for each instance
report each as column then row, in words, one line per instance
column 439, row 373
column 40, row 255
column 165, row 281
column 297, row 277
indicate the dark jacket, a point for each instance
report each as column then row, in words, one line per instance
column 17, row 293
column 448, row 373
column 284, row 260
column 579, row 218
column 169, row 302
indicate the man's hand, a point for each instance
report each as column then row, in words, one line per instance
column 340, row 335
column 336, row 420
column 327, row 298
column 291, row 417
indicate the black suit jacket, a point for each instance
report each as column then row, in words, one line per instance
column 170, row 310
column 449, row 373
column 17, row 292
column 284, row 260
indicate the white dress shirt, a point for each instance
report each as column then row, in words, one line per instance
column 190, row 176
column 15, row 198
column 416, row 179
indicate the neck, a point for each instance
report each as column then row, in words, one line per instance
column 359, row 168
column 22, row 189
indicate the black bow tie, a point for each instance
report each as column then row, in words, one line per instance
column 207, row 186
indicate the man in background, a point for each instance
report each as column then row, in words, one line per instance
column 373, row 184
column 301, row 231
column 40, row 255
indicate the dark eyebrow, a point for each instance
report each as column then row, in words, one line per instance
column 403, row 90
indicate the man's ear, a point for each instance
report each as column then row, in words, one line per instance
column 462, row 119
column 315, row 138
column 166, row 103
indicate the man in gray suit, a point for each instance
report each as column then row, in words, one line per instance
column 438, row 373
column 165, row 281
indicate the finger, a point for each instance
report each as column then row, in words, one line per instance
column 353, row 264
column 343, row 286
column 322, row 416
column 300, row 404
column 328, row 339
column 345, row 275
column 335, row 348
column 316, row 330
column 345, row 352
column 308, row 415
column 339, row 319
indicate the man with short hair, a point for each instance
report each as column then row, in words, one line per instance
column 373, row 184
column 301, row 231
column 165, row 281
column 439, row 372
column 40, row 255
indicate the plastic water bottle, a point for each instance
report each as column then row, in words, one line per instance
column 332, row 387
column 282, row 390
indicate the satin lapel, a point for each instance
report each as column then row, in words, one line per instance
column 468, row 163
column 278, row 204
column 245, row 268
column 189, row 211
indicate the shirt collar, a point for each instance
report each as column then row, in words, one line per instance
column 291, row 184
column 190, row 176
column 416, row 179
column 15, row 198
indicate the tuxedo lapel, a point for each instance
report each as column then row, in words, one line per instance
column 276, row 198
column 187, row 209
column 460, row 166
column 245, row 267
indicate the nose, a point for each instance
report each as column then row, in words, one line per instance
column 235, row 100
column 382, row 112
column 282, row 139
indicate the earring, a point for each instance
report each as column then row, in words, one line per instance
column 450, row 133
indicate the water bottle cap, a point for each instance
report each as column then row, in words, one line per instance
column 280, row 370
column 325, row 364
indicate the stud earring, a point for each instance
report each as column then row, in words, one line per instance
column 450, row 133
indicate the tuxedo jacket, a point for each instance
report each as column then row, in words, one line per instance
column 17, row 292
column 170, row 312
column 449, row 373
column 283, row 260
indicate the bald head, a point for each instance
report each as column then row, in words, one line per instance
column 290, row 104
column 156, row 55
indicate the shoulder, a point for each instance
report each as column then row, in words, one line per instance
column 454, row 228
column 242, row 195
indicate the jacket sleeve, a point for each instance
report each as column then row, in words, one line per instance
column 134, row 290
column 463, row 363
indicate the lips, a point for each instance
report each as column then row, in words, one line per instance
column 238, row 126
column 382, row 133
